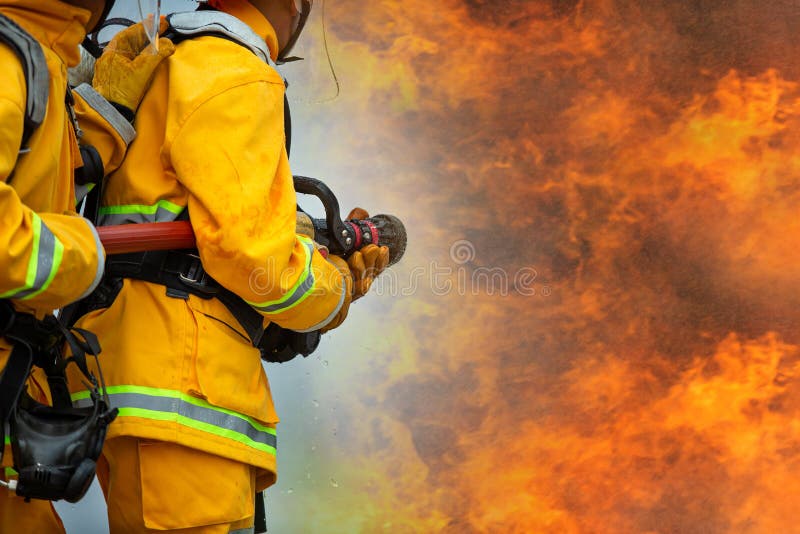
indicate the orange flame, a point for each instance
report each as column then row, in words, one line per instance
column 643, row 158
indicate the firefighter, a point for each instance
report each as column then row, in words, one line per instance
column 196, row 437
column 49, row 256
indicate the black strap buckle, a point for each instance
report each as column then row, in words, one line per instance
column 195, row 277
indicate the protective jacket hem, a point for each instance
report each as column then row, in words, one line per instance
column 141, row 428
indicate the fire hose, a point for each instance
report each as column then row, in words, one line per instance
column 341, row 238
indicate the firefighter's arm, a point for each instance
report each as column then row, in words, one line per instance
column 230, row 154
column 46, row 259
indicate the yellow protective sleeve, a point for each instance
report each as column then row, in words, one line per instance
column 48, row 257
column 230, row 154
column 48, row 260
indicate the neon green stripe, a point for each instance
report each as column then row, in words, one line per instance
column 11, row 472
column 141, row 208
column 172, row 394
column 297, row 284
column 198, row 425
column 289, row 294
column 7, row 440
column 295, row 303
column 58, row 255
column 301, row 299
column 310, row 289
column 33, row 262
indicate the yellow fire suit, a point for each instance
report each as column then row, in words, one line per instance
column 210, row 138
column 49, row 256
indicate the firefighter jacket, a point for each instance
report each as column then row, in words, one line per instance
column 49, row 256
column 210, row 138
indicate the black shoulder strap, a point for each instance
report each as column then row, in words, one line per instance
column 36, row 77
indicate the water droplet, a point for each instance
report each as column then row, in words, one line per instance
column 334, row 483
column 316, row 403
column 290, row 491
column 325, row 363
column 313, row 448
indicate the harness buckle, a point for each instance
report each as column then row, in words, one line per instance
column 196, row 278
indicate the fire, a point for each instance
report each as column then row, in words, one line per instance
column 641, row 160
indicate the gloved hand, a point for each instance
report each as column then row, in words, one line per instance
column 344, row 269
column 123, row 73
column 367, row 263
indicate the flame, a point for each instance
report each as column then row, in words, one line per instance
column 641, row 160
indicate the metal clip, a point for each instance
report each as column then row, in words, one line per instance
column 70, row 104
column 196, row 278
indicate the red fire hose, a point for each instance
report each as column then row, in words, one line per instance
column 147, row 236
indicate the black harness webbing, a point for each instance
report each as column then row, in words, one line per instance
column 39, row 342
column 18, row 366
column 182, row 273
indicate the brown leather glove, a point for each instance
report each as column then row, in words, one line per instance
column 367, row 263
column 123, row 73
column 344, row 269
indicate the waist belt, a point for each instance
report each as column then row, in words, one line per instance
column 182, row 273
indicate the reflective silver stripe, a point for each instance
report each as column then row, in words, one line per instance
column 101, row 260
column 47, row 250
column 331, row 316
column 250, row 530
column 110, row 215
column 299, row 292
column 224, row 422
column 107, row 111
column 204, row 22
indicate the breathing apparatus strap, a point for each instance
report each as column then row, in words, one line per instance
column 17, row 369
